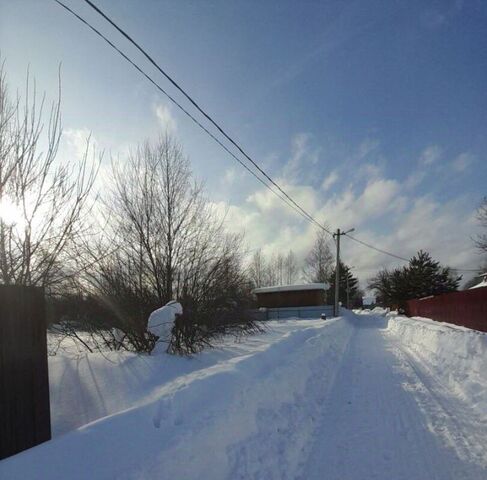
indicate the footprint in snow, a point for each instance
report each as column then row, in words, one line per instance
column 164, row 412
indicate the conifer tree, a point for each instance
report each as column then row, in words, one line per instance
column 422, row 277
column 354, row 293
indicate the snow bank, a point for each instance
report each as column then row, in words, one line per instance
column 246, row 415
column 456, row 356
column 379, row 311
column 88, row 386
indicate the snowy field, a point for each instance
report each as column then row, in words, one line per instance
column 359, row 397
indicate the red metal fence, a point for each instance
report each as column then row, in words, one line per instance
column 467, row 308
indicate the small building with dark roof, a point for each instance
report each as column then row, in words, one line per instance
column 307, row 295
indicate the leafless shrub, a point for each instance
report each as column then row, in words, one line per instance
column 164, row 241
column 159, row 238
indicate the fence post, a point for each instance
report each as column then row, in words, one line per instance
column 24, row 383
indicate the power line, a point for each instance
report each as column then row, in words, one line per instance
column 284, row 198
column 220, row 129
column 203, row 112
column 282, row 194
column 385, row 252
column 294, row 205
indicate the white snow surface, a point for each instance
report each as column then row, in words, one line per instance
column 454, row 356
column 363, row 396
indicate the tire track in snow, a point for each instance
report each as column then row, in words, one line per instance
column 373, row 425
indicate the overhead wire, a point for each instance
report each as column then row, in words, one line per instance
column 202, row 111
column 385, row 252
column 284, row 198
column 280, row 193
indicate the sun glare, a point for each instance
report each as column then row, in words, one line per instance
column 10, row 213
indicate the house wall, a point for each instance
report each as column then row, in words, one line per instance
column 293, row 312
column 300, row 298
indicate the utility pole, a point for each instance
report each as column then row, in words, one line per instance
column 337, row 235
column 337, row 274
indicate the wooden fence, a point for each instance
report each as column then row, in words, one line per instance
column 24, row 384
column 467, row 308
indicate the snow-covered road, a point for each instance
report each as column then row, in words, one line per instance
column 388, row 418
column 355, row 398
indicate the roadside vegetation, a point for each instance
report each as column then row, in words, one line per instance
column 108, row 257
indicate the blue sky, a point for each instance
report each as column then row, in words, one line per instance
column 373, row 114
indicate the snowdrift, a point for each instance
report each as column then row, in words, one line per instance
column 455, row 356
column 254, row 411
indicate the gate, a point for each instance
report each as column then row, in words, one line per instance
column 24, row 384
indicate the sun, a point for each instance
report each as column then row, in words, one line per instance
column 10, row 213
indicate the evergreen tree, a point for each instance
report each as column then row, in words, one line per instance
column 347, row 280
column 422, row 277
column 426, row 277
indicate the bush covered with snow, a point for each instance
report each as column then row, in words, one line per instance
column 161, row 321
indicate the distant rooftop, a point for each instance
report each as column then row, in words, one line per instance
column 483, row 283
column 293, row 288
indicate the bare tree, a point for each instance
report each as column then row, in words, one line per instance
column 319, row 262
column 279, row 267
column 166, row 243
column 8, row 135
column 159, row 215
column 47, row 200
column 258, row 269
column 278, row 270
column 290, row 268
column 482, row 218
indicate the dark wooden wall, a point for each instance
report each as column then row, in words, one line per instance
column 298, row 298
column 467, row 308
column 24, row 383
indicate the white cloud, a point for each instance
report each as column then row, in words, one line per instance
column 366, row 147
column 369, row 171
column 378, row 197
column 229, row 176
column 77, row 141
column 415, row 179
column 165, row 117
column 462, row 162
column 384, row 212
column 329, row 181
column 303, row 158
column 267, row 201
column 430, row 155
